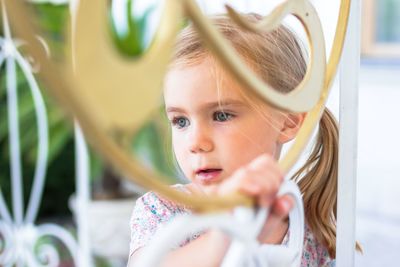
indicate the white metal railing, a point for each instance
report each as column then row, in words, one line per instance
column 19, row 235
column 347, row 177
column 18, row 232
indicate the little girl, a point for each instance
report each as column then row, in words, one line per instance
column 226, row 140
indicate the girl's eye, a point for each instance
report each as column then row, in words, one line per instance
column 222, row 116
column 180, row 122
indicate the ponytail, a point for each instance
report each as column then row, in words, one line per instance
column 317, row 180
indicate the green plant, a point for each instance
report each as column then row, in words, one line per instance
column 60, row 183
column 129, row 35
column 51, row 20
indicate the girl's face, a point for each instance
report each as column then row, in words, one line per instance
column 214, row 129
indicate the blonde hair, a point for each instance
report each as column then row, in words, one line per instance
column 279, row 60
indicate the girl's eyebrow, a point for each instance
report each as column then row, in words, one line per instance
column 210, row 105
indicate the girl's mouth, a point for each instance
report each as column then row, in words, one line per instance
column 208, row 176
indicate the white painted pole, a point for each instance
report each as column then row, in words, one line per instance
column 349, row 73
column 82, row 198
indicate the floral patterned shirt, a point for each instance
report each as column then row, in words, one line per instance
column 152, row 212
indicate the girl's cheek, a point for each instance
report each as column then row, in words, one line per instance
column 178, row 147
column 178, row 141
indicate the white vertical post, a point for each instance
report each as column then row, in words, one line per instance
column 82, row 198
column 349, row 73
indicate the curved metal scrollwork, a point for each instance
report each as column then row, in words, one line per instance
column 100, row 126
column 93, row 85
column 306, row 95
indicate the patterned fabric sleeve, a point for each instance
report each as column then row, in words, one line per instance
column 149, row 214
column 314, row 253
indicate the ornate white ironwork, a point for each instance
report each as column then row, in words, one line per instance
column 22, row 242
column 82, row 200
column 243, row 227
column 19, row 235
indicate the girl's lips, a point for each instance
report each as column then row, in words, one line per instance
column 208, row 176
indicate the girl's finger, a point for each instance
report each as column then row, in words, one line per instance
column 266, row 169
column 279, row 212
column 282, row 206
column 267, row 184
column 266, row 163
column 261, row 178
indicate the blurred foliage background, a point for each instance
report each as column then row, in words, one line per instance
column 150, row 143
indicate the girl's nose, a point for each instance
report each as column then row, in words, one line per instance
column 200, row 140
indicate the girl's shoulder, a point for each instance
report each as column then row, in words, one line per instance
column 157, row 206
column 151, row 211
column 315, row 253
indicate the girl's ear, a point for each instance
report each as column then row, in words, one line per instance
column 291, row 126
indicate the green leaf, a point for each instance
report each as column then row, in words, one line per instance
column 59, row 136
column 133, row 43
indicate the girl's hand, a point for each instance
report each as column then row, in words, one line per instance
column 262, row 179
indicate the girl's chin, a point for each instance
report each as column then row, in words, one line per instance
column 198, row 188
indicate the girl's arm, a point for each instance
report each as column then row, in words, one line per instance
column 261, row 179
column 208, row 250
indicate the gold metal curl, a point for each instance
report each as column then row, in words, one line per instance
column 116, row 88
column 306, row 95
column 314, row 115
column 61, row 86
column 309, row 94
